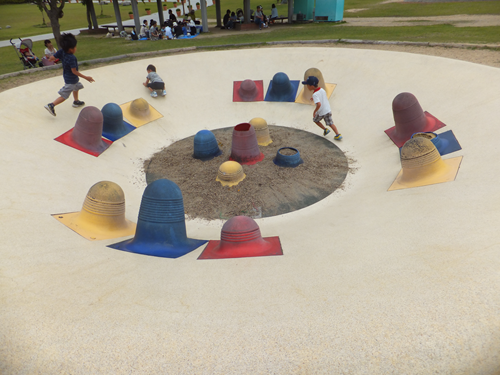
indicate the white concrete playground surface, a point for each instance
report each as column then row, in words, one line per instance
column 371, row 281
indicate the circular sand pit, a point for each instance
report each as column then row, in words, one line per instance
column 267, row 190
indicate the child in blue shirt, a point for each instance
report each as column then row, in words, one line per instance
column 70, row 73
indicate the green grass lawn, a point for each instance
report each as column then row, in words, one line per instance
column 26, row 20
column 424, row 9
column 90, row 47
column 24, row 17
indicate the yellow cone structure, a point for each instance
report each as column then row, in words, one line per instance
column 102, row 215
column 139, row 112
column 261, row 131
column 230, row 173
column 305, row 94
column 422, row 165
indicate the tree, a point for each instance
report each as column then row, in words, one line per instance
column 54, row 12
column 91, row 18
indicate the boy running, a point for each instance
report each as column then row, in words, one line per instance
column 70, row 73
column 322, row 110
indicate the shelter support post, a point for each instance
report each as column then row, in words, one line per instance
column 118, row 16
column 204, row 18
column 137, row 20
column 246, row 10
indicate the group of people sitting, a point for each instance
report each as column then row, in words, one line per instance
column 171, row 28
column 231, row 18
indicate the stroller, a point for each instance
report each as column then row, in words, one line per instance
column 26, row 55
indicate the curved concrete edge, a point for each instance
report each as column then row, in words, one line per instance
column 287, row 42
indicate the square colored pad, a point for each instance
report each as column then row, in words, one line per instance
column 241, row 251
column 329, row 91
column 258, row 98
column 453, row 163
column 453, row 144
column 65, row 138
column 138, row 122
column 113, row 138
column 437, row 125
column 290, row 99
column 92, row 231
column 158, row 249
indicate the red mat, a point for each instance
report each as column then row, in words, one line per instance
column 258, row 98
column 68, row 141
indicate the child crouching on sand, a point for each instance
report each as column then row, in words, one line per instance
column 154, row 82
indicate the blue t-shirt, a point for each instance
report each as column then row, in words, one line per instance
column 69, row 61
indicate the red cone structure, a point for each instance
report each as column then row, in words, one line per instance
column 86, row 136
column 244, row 148
column 248, row 91
column 241, row 238
column 410, row 118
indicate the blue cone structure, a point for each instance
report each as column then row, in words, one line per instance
column 113, row 126
column 289, row 161
column 205, row 146
column 161, row 229
column 446, row 142
column 281, row 89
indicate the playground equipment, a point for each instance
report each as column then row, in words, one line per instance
column 281, row 89
column 86, row 135
column 103, row 214
column 139, row 112
column 240, row 237
column 445, row 143
column 161, row 227
column 410, row 118
column 305, row 95
column 422, row 165
column 230, row 173
column 205, row 146
column 248, row 91
column 261, row 131
column 288, row 157
column 244, row 147
column 113, row 126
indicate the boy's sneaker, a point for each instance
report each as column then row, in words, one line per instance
column 338, row 137
column 50, row 107
column 154, row 94
column 78, row 103
column 326, row 131
column 164, row 93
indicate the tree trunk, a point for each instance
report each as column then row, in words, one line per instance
column 54, row 13
column 92, row 14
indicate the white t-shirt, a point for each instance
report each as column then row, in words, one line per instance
column 49, row 53
column 319, row 96
column 168, row 32
column 274, row 12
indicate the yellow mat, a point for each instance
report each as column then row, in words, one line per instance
column 305, row 95
column 139, row 112
column 442, row 172
column 96, row 228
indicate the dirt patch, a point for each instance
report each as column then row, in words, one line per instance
column 267, row 190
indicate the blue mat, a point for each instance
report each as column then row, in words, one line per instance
column 113, row 136
column 290, row 97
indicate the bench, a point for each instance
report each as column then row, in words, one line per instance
column 281, row 19
column 115, row 27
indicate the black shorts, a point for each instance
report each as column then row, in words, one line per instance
column 157, row 85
